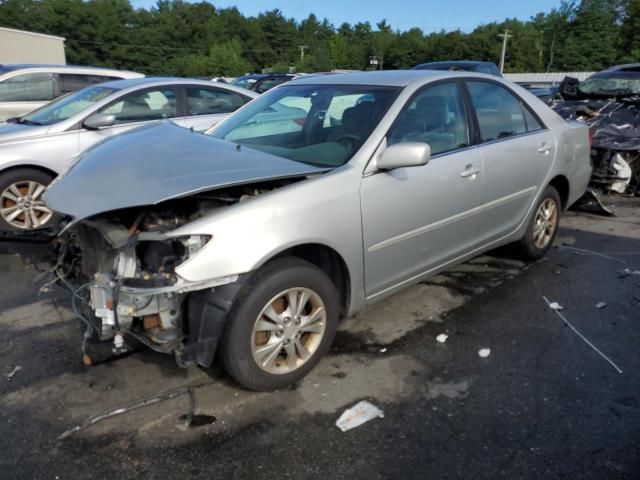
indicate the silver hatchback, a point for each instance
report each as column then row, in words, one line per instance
column 257, row 240
column 40, row 145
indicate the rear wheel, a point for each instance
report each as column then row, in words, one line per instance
column 543, row 226
column 21, row 204
column 283, row 322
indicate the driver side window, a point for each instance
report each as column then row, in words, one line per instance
column 435, row 116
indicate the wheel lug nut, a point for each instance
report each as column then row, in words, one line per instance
column 279, row 333
column 287, row 320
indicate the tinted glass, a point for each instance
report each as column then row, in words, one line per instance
column 532, row 122
column 322, row 125
column 69, row 105
column 209, row 101
column 153, row 104
column 70, row 82
column 436, row 116
column 269, row 83
column 28, row 87
column 498, row 111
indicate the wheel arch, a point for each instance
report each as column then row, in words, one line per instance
column 329, row 261
column 33, row 166
column 561, row 184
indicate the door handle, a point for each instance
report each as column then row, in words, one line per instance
column 470, row 171
column 545, row 148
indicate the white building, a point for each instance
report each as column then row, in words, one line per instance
column 18, row 46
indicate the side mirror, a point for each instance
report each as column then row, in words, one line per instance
column 99, row 120
column 409, row 154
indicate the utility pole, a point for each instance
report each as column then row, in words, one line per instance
column 302, row 49
column 505, row 37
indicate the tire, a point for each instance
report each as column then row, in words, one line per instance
column 536, row 243
column 15, row 189
column 256, row 349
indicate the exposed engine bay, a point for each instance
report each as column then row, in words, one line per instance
column 614, row 124
column 120, row 267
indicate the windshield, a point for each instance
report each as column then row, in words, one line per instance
column 615, row 84
column 320, row 125
column 67, row 106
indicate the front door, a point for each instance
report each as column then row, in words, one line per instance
column 131, row 111
column 418, row 218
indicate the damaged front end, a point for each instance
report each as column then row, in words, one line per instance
column 614, row 125
column 121, row 270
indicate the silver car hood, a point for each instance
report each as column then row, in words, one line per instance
column 17, row 131
column 158, row 162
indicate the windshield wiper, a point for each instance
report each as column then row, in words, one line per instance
column 24, row 121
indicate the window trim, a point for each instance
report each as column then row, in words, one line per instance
column 477, row 138
column 465, row 106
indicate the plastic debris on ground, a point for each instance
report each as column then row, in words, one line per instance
column 600, row 305
column 579, row 334
column 383, row 350
column 442, row 337
column 357, row 415
column 484, row 352
column 555, row 306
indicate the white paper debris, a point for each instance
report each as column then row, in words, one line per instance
column 442, row 337
column 484, row 352
column 600, row 305
column 360, row 413
column 15, row 370
column 383, row 350
column 555, row 306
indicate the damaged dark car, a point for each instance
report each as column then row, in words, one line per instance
column 609, row 103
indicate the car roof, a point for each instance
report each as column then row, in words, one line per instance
column 155, row 81
column 629, row 67
column 391, row 78
column 12, row 67
column 264, row 75
column 467, row 63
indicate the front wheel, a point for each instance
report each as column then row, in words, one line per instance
column 543, row 226
column 21, row 204
column 283, row 323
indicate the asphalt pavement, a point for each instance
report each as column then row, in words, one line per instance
column 542, row 405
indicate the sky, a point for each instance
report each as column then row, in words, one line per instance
column 429, row 15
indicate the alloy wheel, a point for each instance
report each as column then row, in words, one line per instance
column 21, row 205
column 288, row 331
column 546, row 223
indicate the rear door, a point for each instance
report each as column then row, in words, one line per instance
column 206, row 106
column 517, row 152
column 418, row 218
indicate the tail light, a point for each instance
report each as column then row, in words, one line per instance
column 300, row 121
column 590, row 138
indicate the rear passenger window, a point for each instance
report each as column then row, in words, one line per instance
column 209, row 101
column 436, row 116
column 533, row 124
column 500, row 114
column 70, row 82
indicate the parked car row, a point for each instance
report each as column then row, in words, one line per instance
column 38, row 146
column 312, row 201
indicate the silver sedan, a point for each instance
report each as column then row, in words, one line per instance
column 257, row 241
column 40, row 145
